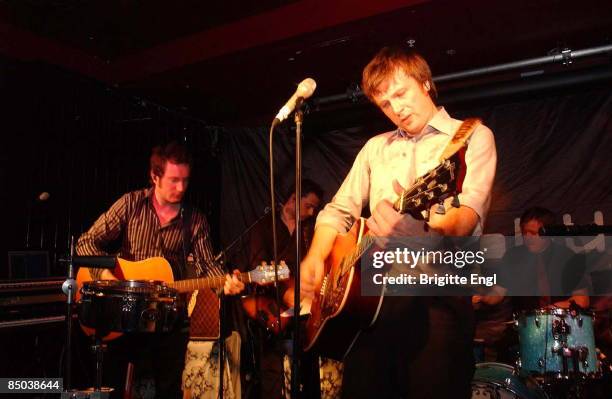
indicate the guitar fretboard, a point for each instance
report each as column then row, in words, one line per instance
column 349, row 259
column 206, row 282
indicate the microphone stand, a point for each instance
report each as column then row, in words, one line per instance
column 69, row 287
column 222, row 258
column 275, row 122
column 305, row 90
column 297, row 347
column 221, row 342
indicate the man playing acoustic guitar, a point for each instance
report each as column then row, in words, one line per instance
column 147, row 223
column 419, row 347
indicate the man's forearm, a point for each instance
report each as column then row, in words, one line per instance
column 86, row 246
column 457, row 222
column 578, row 298
column 322, row 242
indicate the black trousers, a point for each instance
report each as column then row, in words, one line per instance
column 163, row 355
column 419, row 348
column 271, row 372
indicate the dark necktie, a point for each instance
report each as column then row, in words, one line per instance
column 543, row 283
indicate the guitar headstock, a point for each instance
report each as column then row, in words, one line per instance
column 264, row 273
column 432, row 188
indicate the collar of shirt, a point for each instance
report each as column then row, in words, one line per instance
column 149, row 199
column 440, row 123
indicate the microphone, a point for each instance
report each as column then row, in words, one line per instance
column 42, row 197
column 575, row 230
column 303, row 91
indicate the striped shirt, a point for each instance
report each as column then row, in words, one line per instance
column 133, row 222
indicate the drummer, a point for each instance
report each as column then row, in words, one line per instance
column 540, row 266
column 147, row 223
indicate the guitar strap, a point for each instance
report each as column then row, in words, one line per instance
column 460, row 138
column 186, row 211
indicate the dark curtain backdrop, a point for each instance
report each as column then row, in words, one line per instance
column 553, row 150
column 85, row 144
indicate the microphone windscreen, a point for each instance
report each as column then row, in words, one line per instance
column 43, row 196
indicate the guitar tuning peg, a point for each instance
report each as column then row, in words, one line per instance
column 456, row 203
column 426, row 215
column 441, row 210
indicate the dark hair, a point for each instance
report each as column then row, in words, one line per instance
column 173, row 152
column 387, row 61
column 308, row 186
column 542, row 215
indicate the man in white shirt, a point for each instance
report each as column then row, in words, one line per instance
column 419, row 347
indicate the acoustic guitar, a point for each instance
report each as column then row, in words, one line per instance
column 338, row 312
column 158, row 269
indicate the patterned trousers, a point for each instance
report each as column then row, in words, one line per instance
column 201, row 373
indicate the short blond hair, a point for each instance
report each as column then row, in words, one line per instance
column 387, row 61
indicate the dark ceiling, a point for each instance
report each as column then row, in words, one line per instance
column 238, row 60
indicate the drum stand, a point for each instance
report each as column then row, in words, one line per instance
column 565, row 389
column 98, row 348
column 69, row 288
column 99, row 392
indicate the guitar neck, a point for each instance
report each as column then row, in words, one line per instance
column 366, row 241
column 215, row 282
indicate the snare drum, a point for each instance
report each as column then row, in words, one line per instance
column 500, row 381
column 557, row 343
column 128, row 306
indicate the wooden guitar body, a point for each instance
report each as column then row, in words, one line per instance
column 264, row 311
column 339, row 312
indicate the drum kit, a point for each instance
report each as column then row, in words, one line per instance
column 109, row 308
column 128, row 306
column 557, row 359
column 556, row 346
column 113, row 307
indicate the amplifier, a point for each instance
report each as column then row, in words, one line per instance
column 204, row 321
column 24, row 303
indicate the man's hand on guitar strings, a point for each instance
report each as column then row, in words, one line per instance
column 232, row 285
column 311, row 276
column 107, row 275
